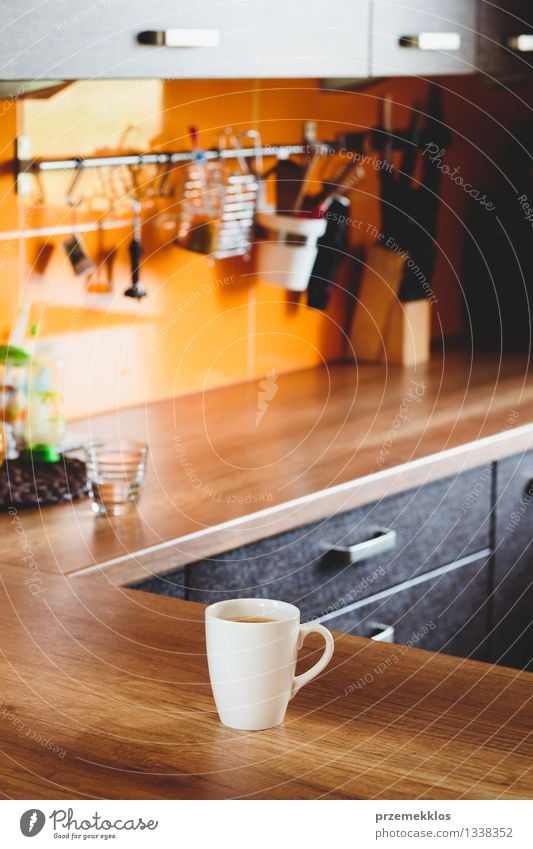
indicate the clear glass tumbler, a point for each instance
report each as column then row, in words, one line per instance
column 116, row 473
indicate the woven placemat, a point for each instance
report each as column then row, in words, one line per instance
column 25, row 484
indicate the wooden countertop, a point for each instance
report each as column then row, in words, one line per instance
column 105, row 694
column 329, row 439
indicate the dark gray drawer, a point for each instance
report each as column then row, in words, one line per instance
column 434, row 525
column 172, row 585
column 445, row 610
column 513, row 563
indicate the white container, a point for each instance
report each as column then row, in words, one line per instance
column 288, row 257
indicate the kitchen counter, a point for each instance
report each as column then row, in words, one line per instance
column 105, row 694
column 228, row 467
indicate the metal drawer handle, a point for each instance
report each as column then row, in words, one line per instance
column 521, row 43
column 431, row 41
column 180, row 37
column 383, row 539
column 380, row 633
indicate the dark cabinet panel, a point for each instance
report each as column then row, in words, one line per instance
column 506, row 37
column 172, row 585
column 445, row 611
column 423, row 37
column 513, row 563
column 431, row 526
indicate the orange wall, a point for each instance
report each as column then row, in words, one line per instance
column 201, row 325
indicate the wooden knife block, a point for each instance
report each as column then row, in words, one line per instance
column 385, row 328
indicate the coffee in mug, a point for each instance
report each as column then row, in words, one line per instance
column 255, row 619
column 252, row 669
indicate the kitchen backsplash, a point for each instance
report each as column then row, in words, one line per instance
column 201, row 325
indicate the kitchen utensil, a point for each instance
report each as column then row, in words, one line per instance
column 234, row 232
column 311, row 173
column 288, row 176
column 136, row 290
column 116, row 472
column 311, row 204
column 342, row 182
column 262, row 204
column 78, row 257
column 422, row 203
column 252, row 648
column 219, row 202
column 386, row 174
column 412, row 148
column 163, row 190
column 203, row 196
column 331, row 251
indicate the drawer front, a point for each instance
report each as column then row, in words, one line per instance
column 61, row 39
column 444, row 611
column 433, row 525
column 503, row 50
column 423, row 37
column 513, row 563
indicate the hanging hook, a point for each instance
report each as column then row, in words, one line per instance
column 258, row 156
column 168, row 168
column 71, row 200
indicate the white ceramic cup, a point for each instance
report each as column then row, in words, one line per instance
column 252, row 665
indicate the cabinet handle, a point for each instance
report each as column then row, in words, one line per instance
column 520, row 43
column 180, row 37
column 382, row 540
column 379, row 632
column 431, row 41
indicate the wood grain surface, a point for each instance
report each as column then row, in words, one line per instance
column 329, row 439
column 105, row 694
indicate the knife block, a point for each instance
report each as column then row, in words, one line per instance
column 385, row 328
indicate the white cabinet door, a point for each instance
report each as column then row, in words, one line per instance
column 69, row 39
column 423, row 37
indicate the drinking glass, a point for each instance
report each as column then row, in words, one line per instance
column 115, row 472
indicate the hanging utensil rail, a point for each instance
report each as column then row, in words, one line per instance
column 36, row 166
column 352, row 142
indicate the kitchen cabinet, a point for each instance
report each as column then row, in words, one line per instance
column 457, row 553
column 326, row 564
column 445, row 610
column 423, row 37
column 62, row 39
column 330, row 565
column 505, row 37
column 513, row 563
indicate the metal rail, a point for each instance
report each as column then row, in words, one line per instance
column 34, row 166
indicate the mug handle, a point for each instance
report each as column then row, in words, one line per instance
column 306, row 677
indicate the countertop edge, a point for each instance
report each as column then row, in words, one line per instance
column 177, row 552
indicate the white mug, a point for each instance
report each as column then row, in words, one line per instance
column 252, row 664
